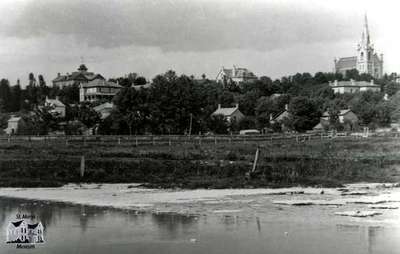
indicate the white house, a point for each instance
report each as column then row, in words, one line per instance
column 14, row 125
column 235, row 74
column 98, row 89
column 352, row 86
column 230, row 114
column 104, row 109
column 57, row 107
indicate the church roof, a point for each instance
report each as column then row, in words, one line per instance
column 347, row 63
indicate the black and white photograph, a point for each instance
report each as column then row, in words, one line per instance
column 199, row 126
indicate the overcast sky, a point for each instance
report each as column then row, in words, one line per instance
column 269, row 37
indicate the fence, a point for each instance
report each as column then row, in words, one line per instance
column 170, row 140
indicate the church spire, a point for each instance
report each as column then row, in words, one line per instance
column 365, row 34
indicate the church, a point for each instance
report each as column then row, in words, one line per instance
column 366, row 61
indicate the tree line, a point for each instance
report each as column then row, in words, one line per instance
column 177, row 104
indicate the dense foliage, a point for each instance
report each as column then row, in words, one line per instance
column 173, row 104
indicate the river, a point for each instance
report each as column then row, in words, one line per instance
column 256, row 226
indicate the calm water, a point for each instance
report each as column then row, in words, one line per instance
column 84, row 229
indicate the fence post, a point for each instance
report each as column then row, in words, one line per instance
column 119, row 140
column 82, row 172
column 215, row 140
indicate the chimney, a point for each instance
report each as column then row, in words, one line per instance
column 352, row 82
column 219, row 106
column 58, row 74
column 372, row 82
column 57, row 98
column 237, row 105
column 286, row 107
column 336, row 83
column 270, row 117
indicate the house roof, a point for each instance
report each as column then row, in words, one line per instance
column 280, row 115
column 101, row 83
column 142, row 86
column 347, row 63
column 225, row 111
column 55, row 102
column 14, row 119
column 353, row 83
column 237, row 73
column 106, row 105
column 341, row 112
column 81, row 74
column 318, row 126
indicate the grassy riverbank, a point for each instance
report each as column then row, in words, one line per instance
column 281, row 163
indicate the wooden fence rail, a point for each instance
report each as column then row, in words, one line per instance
column 183, row 139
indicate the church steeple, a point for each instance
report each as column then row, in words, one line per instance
column 365, row 39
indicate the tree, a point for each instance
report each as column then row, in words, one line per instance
column 5, row 95
column 132, row 108
column 16, row 95
column 139, row 81
column 87, row 115
column 217, row 124
column 304, row 114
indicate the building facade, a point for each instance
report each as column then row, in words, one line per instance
column 78, row 77
column 235, row 75
column 98, row 89
column 366, row 61
column 352, row 86
column 15, row 123
column 232, row 114
column 57, row 107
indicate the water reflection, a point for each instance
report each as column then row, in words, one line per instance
column 86, row 230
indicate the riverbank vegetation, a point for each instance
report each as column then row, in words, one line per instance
column 224, row 165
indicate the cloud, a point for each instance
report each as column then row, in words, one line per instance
column 181, row 25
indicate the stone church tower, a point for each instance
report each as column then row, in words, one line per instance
column 366, row 61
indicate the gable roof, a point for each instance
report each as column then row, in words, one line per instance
column 342, row 112
column 14, row 119
column 347, row 63
column 78, row 75
column 225, row 111
column 279, row 116
column 353, row 83
column 106, row 105
column 55, row 102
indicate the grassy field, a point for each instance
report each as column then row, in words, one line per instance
column 222, row 165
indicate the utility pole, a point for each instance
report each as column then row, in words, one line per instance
column 190, row 124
